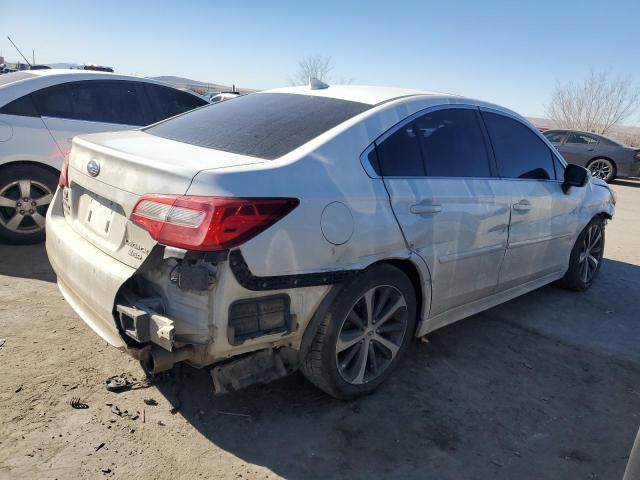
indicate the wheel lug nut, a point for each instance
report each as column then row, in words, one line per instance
column 18, row 204
column 31, row 212
column 33, row 203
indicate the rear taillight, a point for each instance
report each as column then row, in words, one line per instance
column 63, row 181
column 208, row 223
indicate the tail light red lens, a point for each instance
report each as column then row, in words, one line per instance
column 63, row 181
column 208, row 223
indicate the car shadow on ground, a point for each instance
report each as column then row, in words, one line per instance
column 498, row 395
column 25, row 261
column 627, row 182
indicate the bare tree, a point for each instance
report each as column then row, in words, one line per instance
column 596, row 104
column 315, row 66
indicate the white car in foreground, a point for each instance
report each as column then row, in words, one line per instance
column 315, row 228
column 42, row 110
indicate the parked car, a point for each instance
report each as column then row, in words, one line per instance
column 42, row 110
column 604, row 157
column 222, row 96
column 318, row 229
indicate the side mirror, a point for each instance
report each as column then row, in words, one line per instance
column 575, row 176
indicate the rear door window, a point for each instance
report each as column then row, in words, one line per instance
column 109, row 101
column 264, row 125
column 452, row 143
column 519, row 152
column 399, row 154
column 169, row 102
column 581, row 139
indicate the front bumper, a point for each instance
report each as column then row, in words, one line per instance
column 88, row 278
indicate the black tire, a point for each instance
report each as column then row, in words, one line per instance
column 575, row 279
column 603, row 168
column 42, row 184
column 321, row 363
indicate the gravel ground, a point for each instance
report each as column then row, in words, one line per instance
column 545, row 386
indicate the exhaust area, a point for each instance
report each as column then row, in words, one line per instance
column 156, row 359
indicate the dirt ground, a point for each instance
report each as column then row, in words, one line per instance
column 546, row 386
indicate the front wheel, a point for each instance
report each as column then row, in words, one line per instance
column 602, row 168
column 364, row 333
column 586, row 257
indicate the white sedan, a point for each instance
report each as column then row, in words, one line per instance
column 42, row 110
column 318, row 228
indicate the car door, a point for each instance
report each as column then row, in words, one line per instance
column 543, row 218
column 579, row 148
column 90, row 106
column 437, row 169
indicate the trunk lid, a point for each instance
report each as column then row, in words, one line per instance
column 109, row 172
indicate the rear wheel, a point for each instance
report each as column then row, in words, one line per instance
column 25, row 194
column 364, row 334
column 586, row 257
column 602, row 168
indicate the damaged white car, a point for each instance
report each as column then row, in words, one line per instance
column 318, row 228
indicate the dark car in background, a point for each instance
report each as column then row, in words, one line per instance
column 604, row 157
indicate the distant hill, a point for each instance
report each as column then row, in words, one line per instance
column 182, row 82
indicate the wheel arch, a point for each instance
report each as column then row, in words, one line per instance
column 44, row 166
column 418, row 278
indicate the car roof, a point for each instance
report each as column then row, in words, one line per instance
column 44, row 78
column 368, row 94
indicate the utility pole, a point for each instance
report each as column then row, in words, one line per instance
column 33, row 56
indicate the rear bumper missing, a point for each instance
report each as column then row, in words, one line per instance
column 89, row 290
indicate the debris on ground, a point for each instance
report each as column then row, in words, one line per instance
column 106, row 470
column 19, row 388
column 150, row 401
column 100, row 446
column 78, row 404
column 161, row 423
column 117, row 384
column 116, row 410
column 2, row 340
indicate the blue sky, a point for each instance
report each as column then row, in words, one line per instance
column 508, row 52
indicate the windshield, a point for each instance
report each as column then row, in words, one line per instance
column 264, row 125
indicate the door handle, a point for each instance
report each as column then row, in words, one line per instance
column 425, row 209
column 522, row 206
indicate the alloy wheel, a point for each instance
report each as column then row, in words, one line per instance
column 590, row 253
column 602, row 169
column 371, row 334
column 23, row 206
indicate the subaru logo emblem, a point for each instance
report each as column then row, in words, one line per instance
column 93, row 168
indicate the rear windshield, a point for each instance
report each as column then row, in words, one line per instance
column 264, row 125
column 14, row 77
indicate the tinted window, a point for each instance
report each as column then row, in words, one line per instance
column 21, row 106
column 14, row 77
column 53, row 102
column 399, row 153
column 171, row 102
column 265, row 125
column 555, row 137
column 581, row 138
column 452, row 144
column 519, row 152
column 107, row 101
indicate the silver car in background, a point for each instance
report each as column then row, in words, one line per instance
column 607, row 159
column 317, row 228
column 42, row 110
